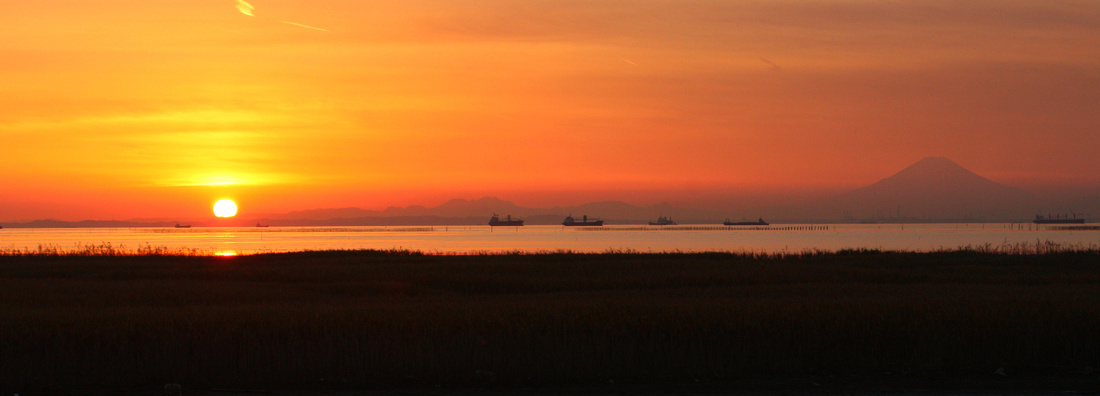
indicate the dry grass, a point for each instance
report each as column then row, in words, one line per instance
column 370, row 318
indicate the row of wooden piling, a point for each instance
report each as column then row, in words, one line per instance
column 1048, row 227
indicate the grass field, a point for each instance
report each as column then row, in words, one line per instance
column 370, row 319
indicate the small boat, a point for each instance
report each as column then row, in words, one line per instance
column 261, row 225
column 1058, row 220
column 497, row 222
column 663, row 221
column 759, row 222
column 183, row 226
column 571, row 222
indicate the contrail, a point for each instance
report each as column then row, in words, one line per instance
column 305, row 26
column 245, row 8
column 774, row 66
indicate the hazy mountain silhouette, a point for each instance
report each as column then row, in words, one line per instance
column 620, row 212
column 462, row 211
column 933, row 188
column 614, row 212
column 483, row 207
column 318, row 214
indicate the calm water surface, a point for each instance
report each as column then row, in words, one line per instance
column 468, row 239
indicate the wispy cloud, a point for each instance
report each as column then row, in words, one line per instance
column 246, row 8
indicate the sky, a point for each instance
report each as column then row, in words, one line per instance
column 120, row 109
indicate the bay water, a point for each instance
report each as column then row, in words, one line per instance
column 482, row 239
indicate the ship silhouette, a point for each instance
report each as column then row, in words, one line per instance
column 571, row 222
column 508, row 221
column 744, row 223
column 663, row 221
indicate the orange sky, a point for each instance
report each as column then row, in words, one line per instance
column 116, row 109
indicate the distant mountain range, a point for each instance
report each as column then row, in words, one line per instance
column 934, row 189
column 461, row 211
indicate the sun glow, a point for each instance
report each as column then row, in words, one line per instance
column 225, row 208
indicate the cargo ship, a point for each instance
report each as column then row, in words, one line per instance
column 570, row 221
column 1058, row 220
column 508, row 221
column 178, row 225
column 759, row 222
column 663, row 221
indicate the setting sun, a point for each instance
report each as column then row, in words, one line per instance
column 225, row 208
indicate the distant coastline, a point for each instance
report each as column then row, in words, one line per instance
column 451, row 221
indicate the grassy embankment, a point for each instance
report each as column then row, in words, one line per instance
column 366, row 318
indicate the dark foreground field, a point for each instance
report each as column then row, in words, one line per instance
column 323, row 321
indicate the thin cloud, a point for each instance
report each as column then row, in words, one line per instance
column 246, row 8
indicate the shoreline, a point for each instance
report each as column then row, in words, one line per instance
column 108, row 249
